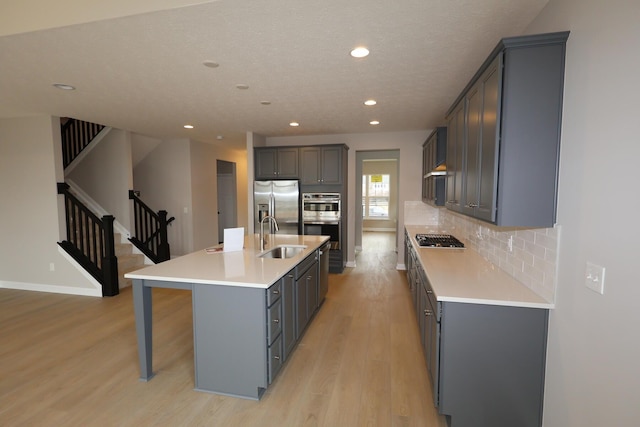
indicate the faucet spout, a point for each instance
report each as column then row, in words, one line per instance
column 263, row 240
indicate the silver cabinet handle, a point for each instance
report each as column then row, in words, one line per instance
column 472, row 205
column 275, row 292
column 276, row 357
column 276, row 320
column 428, row 313
column 429, row 291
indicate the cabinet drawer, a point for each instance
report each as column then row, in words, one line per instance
column 304, row 265
column 275, row 358
column 273, row 293
column 274, row 323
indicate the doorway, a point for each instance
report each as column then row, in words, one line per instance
column 377, row 197
column 227, row 194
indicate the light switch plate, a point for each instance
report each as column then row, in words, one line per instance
column 594, row 278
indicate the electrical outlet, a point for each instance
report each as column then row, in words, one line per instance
column 52, row 267
column 594, row 278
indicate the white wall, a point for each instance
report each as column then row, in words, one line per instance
column 163, row 178
column 593, row 369
column 179, row 176
column 106, row 175
column 410, row 169
column 30, row 167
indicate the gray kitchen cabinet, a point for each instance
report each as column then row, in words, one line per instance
column 505, row 127
column 321, row 164
column 433, row 167
column 288, row 284
column 455, row 157
column 276, row 163
column 306, row 289
column 492, row 364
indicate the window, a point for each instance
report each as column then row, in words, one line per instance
column 375, row 196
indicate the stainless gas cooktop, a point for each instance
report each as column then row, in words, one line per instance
column 438, row 241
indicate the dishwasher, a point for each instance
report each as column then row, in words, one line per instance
column 323, row 265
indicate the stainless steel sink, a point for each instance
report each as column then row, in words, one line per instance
column 283, row 251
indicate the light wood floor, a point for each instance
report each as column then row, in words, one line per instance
column 72, row 361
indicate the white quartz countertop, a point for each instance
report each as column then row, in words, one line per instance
column 462, row 275
column 242, row 268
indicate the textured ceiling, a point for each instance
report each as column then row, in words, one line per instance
column 144, row 73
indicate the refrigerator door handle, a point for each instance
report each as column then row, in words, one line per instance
column 272, row 212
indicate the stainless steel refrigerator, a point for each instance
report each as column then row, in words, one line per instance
column 280, row 199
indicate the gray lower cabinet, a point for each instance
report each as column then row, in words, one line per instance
column 492, row 364
column 306, row 288
column 243, row 335
column 486, row 363
column 288, row 314
column 504, row 134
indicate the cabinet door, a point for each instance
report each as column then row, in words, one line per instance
column 301, row 305
column 488, row 179
column 311, row 282
column 288, row 314
column 287, row 162
column 266, row 163
column 331, row 165
column 310, row 165
column 471, row 176
column 455, row 157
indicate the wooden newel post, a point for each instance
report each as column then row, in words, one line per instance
column 109, row 261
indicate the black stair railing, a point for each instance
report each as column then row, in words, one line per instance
column 90, row 241
column 150, row 230
column 76, row 135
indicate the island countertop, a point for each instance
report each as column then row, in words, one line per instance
column 463, row 275
column 242, row 268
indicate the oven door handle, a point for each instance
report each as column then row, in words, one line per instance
column 322, row 222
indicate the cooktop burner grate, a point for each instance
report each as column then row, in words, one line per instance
column 438, row 241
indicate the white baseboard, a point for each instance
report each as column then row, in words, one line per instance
column 350, row 264
column 69, row 290
column 377, row 229
column 401, row 267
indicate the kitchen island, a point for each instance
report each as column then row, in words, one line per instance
column 484, row 336
column 248, row 310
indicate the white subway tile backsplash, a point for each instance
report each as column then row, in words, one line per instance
column 533, row 260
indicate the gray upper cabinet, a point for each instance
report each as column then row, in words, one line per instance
column 276, row 163
column 321, row 164
column 433, row 159
column 455, row 157
column 504, row 134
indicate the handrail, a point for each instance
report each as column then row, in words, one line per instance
column 76, row 135
column 150, row 230
column 90, row 241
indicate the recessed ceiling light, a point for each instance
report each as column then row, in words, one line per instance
column 63, row 86
column 265, row 102
column 242, row 86
column 219, row 137
column 370, row 102
column 374, row 122
column 294, row 124
column 210, row 64
column 188, row 126
column 360, row 52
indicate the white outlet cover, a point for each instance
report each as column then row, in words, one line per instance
column 594, row 278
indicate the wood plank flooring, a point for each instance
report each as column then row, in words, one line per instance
column 72, row 360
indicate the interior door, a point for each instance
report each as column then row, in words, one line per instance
column 227, row 197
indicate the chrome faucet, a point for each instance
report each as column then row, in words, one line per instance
column 263, row 240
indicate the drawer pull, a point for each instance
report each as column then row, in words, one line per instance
column 276, row 357
column 428, row 313
column 276, row 320
column 276, row 292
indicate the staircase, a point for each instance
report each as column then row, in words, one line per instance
column 127, row 260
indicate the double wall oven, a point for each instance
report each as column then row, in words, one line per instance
column 321, row 216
